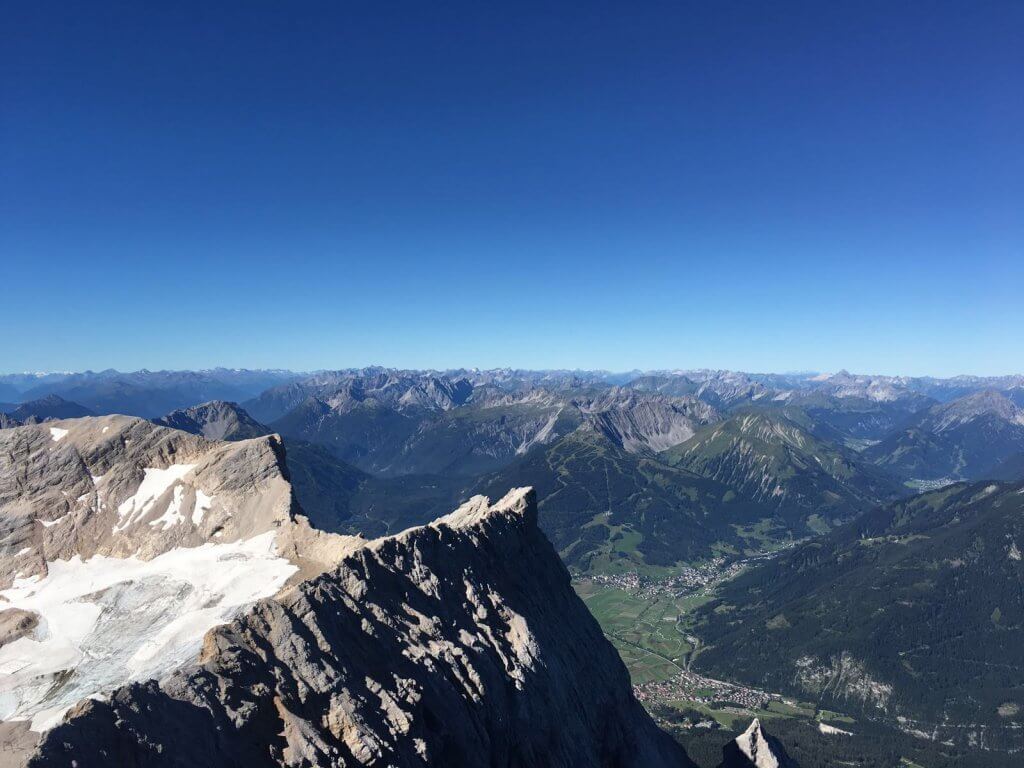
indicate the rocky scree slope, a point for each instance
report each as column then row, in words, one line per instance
column 644, row 422
column 458, row 643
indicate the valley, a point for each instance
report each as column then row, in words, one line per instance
column 654, row 624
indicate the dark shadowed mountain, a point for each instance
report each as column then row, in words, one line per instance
column 1011, row 470
column 966, row 439
column 48, row 407
column 914, row 610
column 216, row 420
column 324, row 486
column 856, row 419
column 152, row 393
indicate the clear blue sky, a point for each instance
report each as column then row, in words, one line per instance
column 751, row 185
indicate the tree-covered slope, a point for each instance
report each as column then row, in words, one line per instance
column 915, row 610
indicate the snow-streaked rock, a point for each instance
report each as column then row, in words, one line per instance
column 123, row 543
column 111, row 620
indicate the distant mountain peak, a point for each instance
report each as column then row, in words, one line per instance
column 50, row 406
column 985, row 403
column 215, row 420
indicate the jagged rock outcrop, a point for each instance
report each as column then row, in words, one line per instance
column 215, row 420
column 640, row 421
column 459, row 643
column 8, row 422
column 754, row 748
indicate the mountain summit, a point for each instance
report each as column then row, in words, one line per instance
column 136, row 553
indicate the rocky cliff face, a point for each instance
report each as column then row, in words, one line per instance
column 165, row 588
column 123, row 542
column 643, row 422
column 459, row 643
column 754, row 748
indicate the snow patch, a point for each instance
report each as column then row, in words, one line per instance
column 56, row 433
column 155, row 483
column 203, row 505
column 172, row 515
column 114, row 620
column 831, row 730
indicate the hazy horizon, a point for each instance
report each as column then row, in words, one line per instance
column 608, row 371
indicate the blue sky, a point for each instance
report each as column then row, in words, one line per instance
column 760, row 186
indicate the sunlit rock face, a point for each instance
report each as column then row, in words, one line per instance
column 123, row 543
column 754, row 748
column 165, row 603
column 459, row 643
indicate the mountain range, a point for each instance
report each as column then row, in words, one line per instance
column 692, row 462
column 213, row 533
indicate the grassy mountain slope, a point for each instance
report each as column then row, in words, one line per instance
column 607, row 509
column 769, row 457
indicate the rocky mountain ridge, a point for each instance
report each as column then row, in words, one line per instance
column 964, row 439
column 776, row 461
column 215, row 420
column 460, row 642
column 456, row 643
